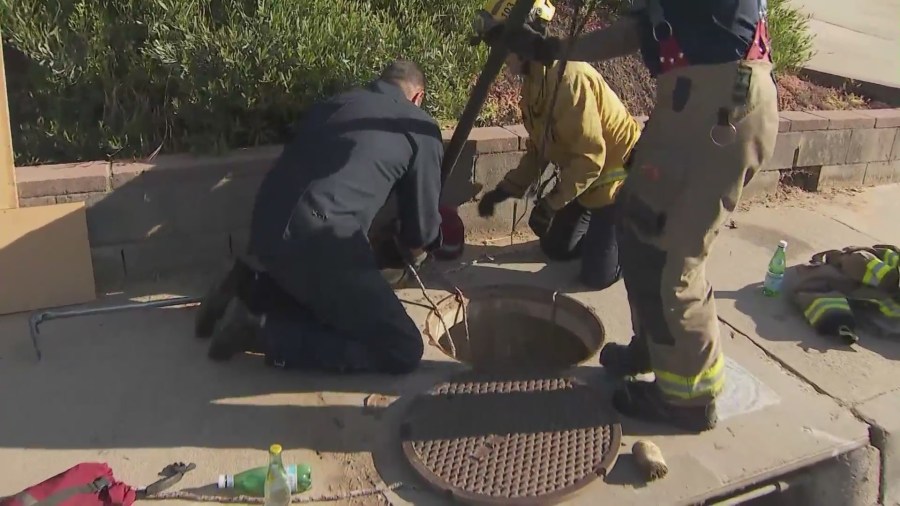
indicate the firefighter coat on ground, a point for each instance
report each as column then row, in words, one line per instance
column 714, row 125
column 839, row 289
column 591, row 136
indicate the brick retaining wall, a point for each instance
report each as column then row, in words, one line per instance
column 179, row 211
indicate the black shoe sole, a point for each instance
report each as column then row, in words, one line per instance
column 216, row 301
column 690, row 420
column 618, row 361
column 236, row 335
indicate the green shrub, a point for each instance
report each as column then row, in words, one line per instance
column 121, row 78
column 792, row 41
column 117, row 78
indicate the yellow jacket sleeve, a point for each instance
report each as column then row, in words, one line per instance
column 529, row 170
column 578, row 137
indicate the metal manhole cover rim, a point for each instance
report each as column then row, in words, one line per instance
column 438, row 483
column 526, row 292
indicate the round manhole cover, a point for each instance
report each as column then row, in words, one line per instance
column 510, row 440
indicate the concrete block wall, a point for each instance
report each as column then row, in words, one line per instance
column 153, row 219
column 835, row 149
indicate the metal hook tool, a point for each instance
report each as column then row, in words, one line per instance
column 72, row 311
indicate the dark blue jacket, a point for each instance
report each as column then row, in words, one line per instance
column 708, row 31
column 350, row 152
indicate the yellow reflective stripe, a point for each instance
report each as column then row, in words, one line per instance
column 611, row 177
column 876, row 270
column 817, row 309
column 891, row 258
column 887, row 307
column 890, row 308
column 708, row 382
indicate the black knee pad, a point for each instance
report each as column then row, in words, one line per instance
column 401, row 364
column 557, row 252
column 600, row 281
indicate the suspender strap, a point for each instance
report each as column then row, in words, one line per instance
column 657, row 19
column 670, row 54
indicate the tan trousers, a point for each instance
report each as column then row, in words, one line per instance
column 681, row 187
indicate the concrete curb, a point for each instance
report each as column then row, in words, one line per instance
column 149, row 218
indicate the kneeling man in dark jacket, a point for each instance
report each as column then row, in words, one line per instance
column 309, row 242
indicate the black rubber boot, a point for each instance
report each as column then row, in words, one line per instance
column 621, row 361
column 642, row 400
column 397, row 278
column 216, row 300
column 238, row 333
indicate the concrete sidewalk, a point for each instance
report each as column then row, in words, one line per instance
column 858, row 39
column 135, row 390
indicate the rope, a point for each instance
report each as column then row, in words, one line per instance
column 461, row 301
column 247, row 499
column 576, row 26
column 434, row 307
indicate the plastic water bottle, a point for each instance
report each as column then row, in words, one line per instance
column 253, row 481
column 775, row 274
column 278, row 487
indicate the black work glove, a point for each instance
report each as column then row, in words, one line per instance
column 542, row 49
column 528, row 44
column 417, row 258
column 413, row 257
column 490, row 200
column 541, row 218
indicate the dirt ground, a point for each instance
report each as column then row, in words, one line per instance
column 632, row 83
column 792, row 196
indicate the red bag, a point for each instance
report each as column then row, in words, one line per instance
column 453, row 234
column 86, row 484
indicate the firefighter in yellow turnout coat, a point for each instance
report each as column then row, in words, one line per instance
column 590, row 136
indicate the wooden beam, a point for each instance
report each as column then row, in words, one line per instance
column 9, row 196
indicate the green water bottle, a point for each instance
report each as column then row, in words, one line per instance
column 253, row 481
column 775, row 274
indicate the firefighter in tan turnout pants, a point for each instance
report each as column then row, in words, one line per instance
column 713, row 126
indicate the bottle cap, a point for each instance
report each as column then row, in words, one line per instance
column 783, row 244
column 275, row 449
column 226, row 481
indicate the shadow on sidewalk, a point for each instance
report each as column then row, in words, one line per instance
column 141, row 380
column 532, row 268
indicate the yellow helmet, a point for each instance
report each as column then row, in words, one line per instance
column 495, row 12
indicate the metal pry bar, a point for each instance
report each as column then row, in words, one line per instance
column 40, row 317
column 495, row 61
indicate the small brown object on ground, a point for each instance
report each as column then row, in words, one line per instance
column 650, row 460
column 375, row 403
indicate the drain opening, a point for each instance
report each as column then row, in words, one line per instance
column 516, row 328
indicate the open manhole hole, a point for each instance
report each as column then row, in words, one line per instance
column 515, row 328
column 487, row 438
